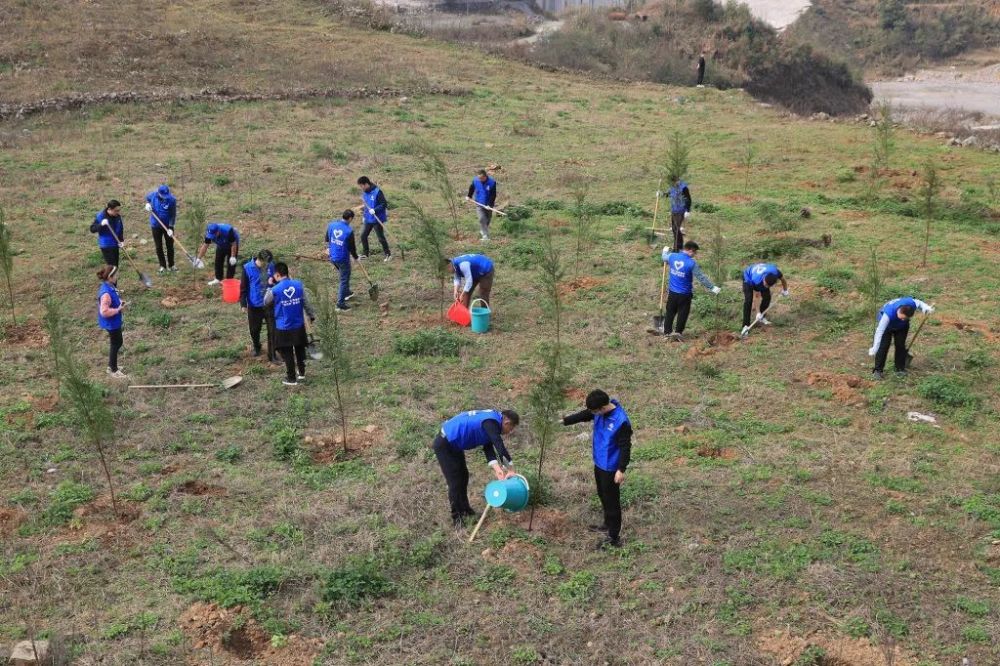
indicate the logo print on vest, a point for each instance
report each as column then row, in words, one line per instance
column 678, row 265
column 337, row 233
column 289, row 292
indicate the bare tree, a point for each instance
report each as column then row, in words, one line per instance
column 7, row 261
column 930, row 187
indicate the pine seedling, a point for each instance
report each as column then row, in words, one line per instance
column 747, row 160
column 431, row 243
column 678, row 159
column 872, row 284
column 331, row 341
column 7, row 261
column 579, row 187
column 718, row 265
column 437, row 172
column 930, row 187
column 882, row 147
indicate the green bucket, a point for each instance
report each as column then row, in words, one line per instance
column 480, row 316
column 511, row 493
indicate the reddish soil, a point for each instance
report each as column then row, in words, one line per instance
column 199, row 488
column 570, row 286
column 575, row 394
column 715, row 341
column 175, row 297
column 232, row 637
column 840, row 651
column 737, row 198
column 10, row 520
column 522, row 556
column 329, row 446
column 30, row 334
column 982, row 328
column 718, row 452
column 550, row 522
column 846, row 388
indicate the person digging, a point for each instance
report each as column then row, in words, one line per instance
column 483, row 191
column 160, row 203
column 892, row 328
column 257, row 278
column 612, row 449
column 341, row 245
column 472, row 271
column 291, row 306
column 227, row 249
column 760, row 278
column 109, row 316
column 376, row 215
column 110, row 229
column 683, row 269
column 480, row 428
column 680, row 210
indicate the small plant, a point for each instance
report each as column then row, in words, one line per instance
column 356, row 581
column 872, row 283
column 7, row 261
column 195, row 217
column 813, row 655
column 882, row 146
column 66, row 497
column 230, row 454
column 221, row 181
column 321, row 151
column 929, row 189
column 947, row 391
column 433, row 342
column 437, row 172
column 747, row 158
column 678, row 158
column 579, row 587
column 583, row 217
column 431, row 241
column 331, row 341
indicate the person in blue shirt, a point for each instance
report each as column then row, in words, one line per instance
column 340, row 242
column 760, row 278
column 109, row 316
column 471, row 271
column 161, row 203
column 683, row 269
column 680, row 210
column 483, row 190
column 479, row 428
column 612, row 449
column 291, row 306
column 107, row 225
column 257, row 278
column 376, row 214
column 893, row 324
column 227, row 249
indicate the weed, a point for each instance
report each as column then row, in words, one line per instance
column 856, row 627
column 947, row 391
column 433, row 342
column 813, row 655
column 972, row 607
column 524, row 656
column 231, row 454
column 64, row 499
column 495, row 578
column 221, row 181
column 579, row 588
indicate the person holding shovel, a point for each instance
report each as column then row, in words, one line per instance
column 258, row 277
column 160, row 203
column 683, row 269
column 376, row 214
column 680, row 210
column 471, row 271
column 227, row 249
column 109, row 316
column 110, row 232
column 892, row 329
column 291, row 306
column 612, row 449
column 340, row 241
column 760, row 278
column 483, row 192
column 479, row 428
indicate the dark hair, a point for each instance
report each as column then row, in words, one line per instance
column 114, row 203
column 348, row 214
column 482, row 172
column 265, row 256
column 597, row 399
column 691, row 245
column 511, row 416
column 364, row 180
column 908, row 310
column 769, row 280
column 281, row 267
column 106, row 272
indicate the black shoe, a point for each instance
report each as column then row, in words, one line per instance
column 901, row 374
column 598, row 528
column 878, row 375
column 343, row 308
column 609, row 543
column 289, row 382
column 256, row 352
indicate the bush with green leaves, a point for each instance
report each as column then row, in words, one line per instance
column 429, row 342
column 65, row 498
column 357, row 580
column 947, row 391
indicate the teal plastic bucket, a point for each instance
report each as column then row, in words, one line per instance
column 480, row 316
column 511, row 494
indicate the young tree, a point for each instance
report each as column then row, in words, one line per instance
column 872, row 284
column 747, row 160
column 437, row 171
column 579, row 187
column 883, row 144
column 87, row 399
column 930, row 187
column 431, row 241
column 7, row 261
column 331, row 341
column 718, row 265
column 678, row 159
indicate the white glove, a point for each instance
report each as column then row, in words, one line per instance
column 929, row 309
column 716, row 290
column 760, row 316
column 872, row 351
column 372, row 211
column 682, row 229
column 745, row 331
column 198, row 263
column 104, row 223
column 232, row 261
column 659, row 194
column 170, row 232
column 149, row 207
column 687, row 214
column 784, row 292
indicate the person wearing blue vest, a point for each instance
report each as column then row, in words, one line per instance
column 291, row 307
column 680, row 210
column 161, row 203
column 479, row 428
column 227, row 249
column 257, row 278
column 109, row 316
column 683, row 269
column 760, row 278
column 483, row 191
column 612, row 449
column 471, row 271
column 110, row 229
column 340, row 241
column 893, row 324
column 376, row 214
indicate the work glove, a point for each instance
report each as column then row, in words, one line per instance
column 149, row 207
column 682, row 229
column 659, row 194
column 784, row 292
column 104, row 223
column 232, row 261
column 760, row 316
column 372, row 211
column 170, row 232
column 198, row 263
column 872, row 351
column 716, row 290
column 687, row 214
column 929, row 309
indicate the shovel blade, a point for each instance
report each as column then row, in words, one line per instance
column 659, row 323
column 232, row 382
column 909, row 360
column 146, row 282
column 373, row 292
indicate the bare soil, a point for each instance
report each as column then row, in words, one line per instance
column 230, row 637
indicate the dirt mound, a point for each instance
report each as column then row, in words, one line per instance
column 979, row 327
column 837, row 651
column 550, row 522
column 522, row 556
column 329, row 446
column 199, row 488
column 570, row 286
column 175, row 297
column 10, row 519
column 846, row 388
column 29, row 333
column 718, row 452
column 233, row 637
column 715, row 341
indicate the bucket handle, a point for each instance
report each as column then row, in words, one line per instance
column 479, row 300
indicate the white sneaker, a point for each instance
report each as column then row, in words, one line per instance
column 362, row 257
column 765, row 322
column 388, row 257
column 288, row 383
column 117, row 374
column 173, row 269
column 300, row 378
column 484, row 239
column 213, row 283
column 162, row 270
column 745, row 332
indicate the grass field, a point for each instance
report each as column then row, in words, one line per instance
column 780, row 507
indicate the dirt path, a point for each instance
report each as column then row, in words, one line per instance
column 971, row 90
column 779, row 13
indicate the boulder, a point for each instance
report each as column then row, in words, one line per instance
column 27, row 654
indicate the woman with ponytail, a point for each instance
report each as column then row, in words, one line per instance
column 109, row 316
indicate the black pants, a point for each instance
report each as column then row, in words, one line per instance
column 256, row 318
column 159, row 236
column 611, row 500
column 381, row 238
column 456, row 475
column 676, row 222
column 898, row 338
column 294, row 357
column 679, row 306
column 110, row 255
column 701, row 75
column 765, row 302
column 222, row 261
column 116, row 344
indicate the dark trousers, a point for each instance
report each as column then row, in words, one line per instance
column 765, row 302
column 485, row 285
column 294, row 357
column 116, row 344
column 676, row 222
column 701, row 75
column 256, row 318
column 611, row 500
column 381, row 238
column 345, row 281
column 110, row 255
column 456, row 475
column 222, row 261
column 679, row 306
column 898, row 338
column 159, row 236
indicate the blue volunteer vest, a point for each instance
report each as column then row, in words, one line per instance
column 369, row 198
column 257, row 283
column 109, row 323
column 479, row 264
column 288, row 311
column 606, row 426
column 104, row 237
column 465, row 431
column 756, row 273
column 681, row 268
column 165, row 209
column 338, row 234
column 221, row 237
column 892, row 309
column 677, row 203
column 483, row 190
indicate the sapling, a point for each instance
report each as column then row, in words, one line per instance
column 678, row 158
column 331, row 341
column 717, row 254
column 431, row 241
column 872, row 283
column 929, row 189
column 747, row 160
column 882, row 146
column 7, row 261
column 579, row 187
column 437, row 172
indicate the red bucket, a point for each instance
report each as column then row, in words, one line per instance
column 459, row 314
column 231, row 291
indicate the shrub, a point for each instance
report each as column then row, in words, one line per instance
column 835, row 279
column 517, row 213
column 947, row 392
column 66, row 497
column 232, row 588
column 433, row 342
column 579, row 587
column 360, row 578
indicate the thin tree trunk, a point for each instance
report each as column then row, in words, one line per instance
column 10, row 292
column 927, row 240
column 107, row 475
column 340, row 407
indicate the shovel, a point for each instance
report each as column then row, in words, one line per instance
column 659, row 321
column 228, row 383
column 143, row 278
column 402, row 250
column 489, row 208
column 372, row 286
column 311, row 348
column 197, row 263
column 909, row 356
column 656, row 210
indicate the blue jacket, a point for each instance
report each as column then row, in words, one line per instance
column 104, row 237
column 606, row 451
column 375, row 200
column 289, row 313
column 338, row 235
column 465, row 431
column 222, row 234
column 681, row 268
column 164, row 207
column 479, row 265
column 484, row 193
column 680, row 198
column 755, row 274
column 891, row 309
column 109, row 323
column 256, row 284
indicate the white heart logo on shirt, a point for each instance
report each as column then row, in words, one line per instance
column 678, row 265
column 337, row 233
column 289, row 292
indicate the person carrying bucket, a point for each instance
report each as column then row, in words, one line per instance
column 341, row 244
column 471, row 271
column 479, row 428
column 612, row 448
column 110, row 230
column 291, row 306
column 109, row 316
column 227, row 249
column 257, row 278
column 162, row 208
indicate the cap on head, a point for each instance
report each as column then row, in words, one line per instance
column 163, row 191
column 212, row 229
column 597, row 399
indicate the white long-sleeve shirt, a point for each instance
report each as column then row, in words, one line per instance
column 883, row 322
column 466, row 279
